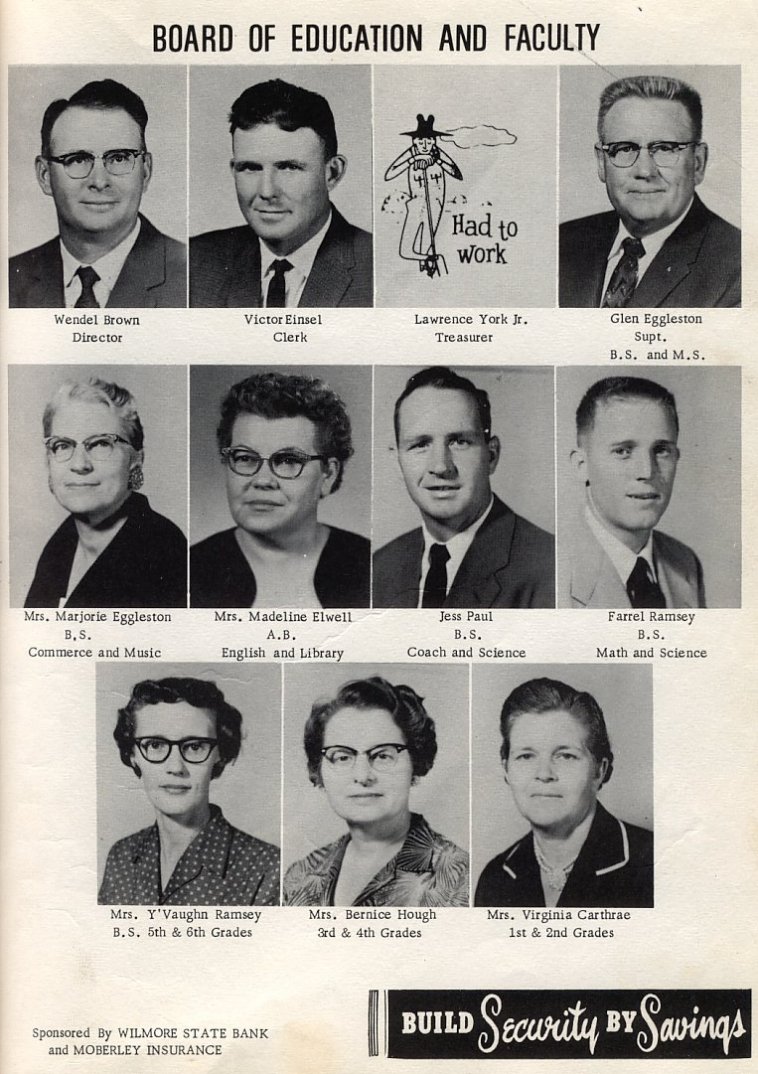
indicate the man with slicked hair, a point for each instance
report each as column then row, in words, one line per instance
column 95, row 165
column 295, row 248
column 660, row 246
column 626, row 457
column 472, row 550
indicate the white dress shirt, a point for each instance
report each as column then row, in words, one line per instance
column 457, row 546
column 652, row 244
column 108, row 267
column 302, row 262
column 622, row 558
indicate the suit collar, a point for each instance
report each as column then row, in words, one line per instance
column 675, row 259
column 491, row 545
column 605, row 850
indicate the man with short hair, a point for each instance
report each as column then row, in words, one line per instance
column 95, row 165
column 471, row 551
column 660, row 246
column 296, row 249
column 626, row 456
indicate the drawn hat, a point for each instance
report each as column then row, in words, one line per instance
column 424, row 128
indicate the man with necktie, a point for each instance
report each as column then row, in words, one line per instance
column 472, row 550
column 626, row 457
column 296, row 249
column 660, row 246
column 95, row 165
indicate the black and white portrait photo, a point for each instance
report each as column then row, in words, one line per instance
column 98, row 486
column 649, row 485
column 283, row 454
column 463, row 488
column 188, row 785
column 563, row 766
column 376, row 785
column 97, row 190
column 667, row 157
column 288, row 224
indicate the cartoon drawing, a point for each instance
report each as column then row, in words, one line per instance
column 426, row 166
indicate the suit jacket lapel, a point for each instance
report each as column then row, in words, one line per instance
column 332, row 271
column 674, row 260
column 144, row 268
column 477, row 584
column 244, row 287
column 594, row 580
column 677, row 590
column 408, row 571
column 46, row 288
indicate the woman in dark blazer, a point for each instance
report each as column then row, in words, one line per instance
column 113, row 550
column 178, row 735
column 557, row 756
column 284, row 440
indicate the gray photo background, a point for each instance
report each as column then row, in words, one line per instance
column 248, row 791
column 705, row 507
column 349, row 507
column 31, row 214
column 442, row 795
column 160, row 393
column 213, row 90
column 522, row 418
column 624, row 693
column 582, row 193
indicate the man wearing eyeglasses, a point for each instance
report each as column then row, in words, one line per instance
column 95, row 165
column 660, row 246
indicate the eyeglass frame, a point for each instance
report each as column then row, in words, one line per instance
column 133, row 154
column 114, row 438
column 302, row 456
column 171, row 742
column 399, row 746
column 605, row 147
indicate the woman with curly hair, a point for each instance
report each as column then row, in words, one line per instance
column 366, row 748
column 284, row 440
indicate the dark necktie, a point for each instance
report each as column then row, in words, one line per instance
column 87, row 300
column 624, row 279
column 275, row 296
column 642, row 590
column 435, row 585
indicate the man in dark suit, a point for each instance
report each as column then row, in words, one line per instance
column 296, row 249
column 95, row 166
column 472, row 551
column 660, row 246
column 626, row 456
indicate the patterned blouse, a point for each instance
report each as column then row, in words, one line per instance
column 222, row 866
column 428, row 870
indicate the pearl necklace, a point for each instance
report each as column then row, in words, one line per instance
column 555, row 876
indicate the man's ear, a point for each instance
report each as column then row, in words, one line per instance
column 600, row 163
column 42, row 168
column 336, row 167
column 579, row 462
column 701, row 161
column 147, row 170
column 493, row 449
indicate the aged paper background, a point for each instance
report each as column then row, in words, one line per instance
column 62, row 965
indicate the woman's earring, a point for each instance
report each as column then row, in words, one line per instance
column 136, row 479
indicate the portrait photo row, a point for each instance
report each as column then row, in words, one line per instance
column 155, row 486
column 315, row 785
column 312, row 187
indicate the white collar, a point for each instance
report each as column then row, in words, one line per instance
column 622, row 558
column 652, row 242
column 301, row 259
column 108, row 266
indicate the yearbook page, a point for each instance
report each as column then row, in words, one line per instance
column 378, row 613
